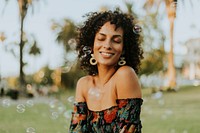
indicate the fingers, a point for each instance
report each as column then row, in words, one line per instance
column 131, row 129
column 123, row 129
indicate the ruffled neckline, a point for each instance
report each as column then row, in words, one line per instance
column 109, row 108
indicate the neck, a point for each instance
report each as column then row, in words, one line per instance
column 105, row 74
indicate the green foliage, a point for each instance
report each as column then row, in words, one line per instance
column 47, row 80
column 34, row 50
column 153, row 45
column 153, row 39
column 42, row 77
column 69, row 79
column 65, row 32
column 153, row 62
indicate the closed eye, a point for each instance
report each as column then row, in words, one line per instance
column 117, row 39
column 101, row 37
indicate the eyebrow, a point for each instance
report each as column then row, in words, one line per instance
column 117, row 35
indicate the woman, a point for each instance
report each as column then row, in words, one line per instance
column 108, row 100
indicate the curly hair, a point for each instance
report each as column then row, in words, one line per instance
column 132, row 50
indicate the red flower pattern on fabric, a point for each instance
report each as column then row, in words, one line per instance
column 96, row 116
column 110, row 115
column 112, row 119
column 122, row 103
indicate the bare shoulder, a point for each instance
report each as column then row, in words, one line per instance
column 81, row 87
column 127, row 83
column 125, row 71
column 83, row 81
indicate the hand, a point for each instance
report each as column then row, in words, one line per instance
column 130, row 130
column 123, row 129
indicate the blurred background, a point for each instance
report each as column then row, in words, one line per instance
column 39, row 67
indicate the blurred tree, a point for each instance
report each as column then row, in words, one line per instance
column 153, row 61
column 34, row 50
column 66, row 34
column 171, row 13
column 153, row 40
column 24, row 6
column 44, row 76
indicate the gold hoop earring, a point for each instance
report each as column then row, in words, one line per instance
column 122, row 61
column 93, row 60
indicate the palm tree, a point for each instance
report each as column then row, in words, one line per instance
column 65, row 33
column 24, row 6
column 171, row 13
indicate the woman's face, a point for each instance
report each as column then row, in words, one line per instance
column 108, row 45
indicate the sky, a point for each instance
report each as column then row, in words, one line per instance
column 39, row 24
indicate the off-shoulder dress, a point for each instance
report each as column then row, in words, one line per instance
column 111, row 120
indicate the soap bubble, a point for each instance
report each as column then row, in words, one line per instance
column 87, row 50
column 137, row 29
column 94, row 94
column 21, row 108
column 72, row 43
column 56, row 108
column 66, row 69
column 29, row 103
column 6, row 103
column 71, row 99
column 54, row 115
column 67, row 114
column 30, row 130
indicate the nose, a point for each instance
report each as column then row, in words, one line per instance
column 107, row 45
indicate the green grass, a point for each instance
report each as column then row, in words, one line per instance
column 174, row 112
column 37, row 117
column 42, row 117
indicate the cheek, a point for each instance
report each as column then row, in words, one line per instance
column 95, row 48
column 120, row 49
column 96, row 45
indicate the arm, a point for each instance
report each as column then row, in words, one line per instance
column 80, row 87
column 129, row 90
column 79, row 114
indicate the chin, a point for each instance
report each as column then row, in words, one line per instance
column 107, row 63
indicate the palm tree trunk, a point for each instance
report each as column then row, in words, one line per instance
column 23, row 10
column 171, row 71
column 171, row 68
column 21, row 46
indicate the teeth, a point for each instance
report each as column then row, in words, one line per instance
column 106, row 54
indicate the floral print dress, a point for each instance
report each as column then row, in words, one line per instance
column 111, row 120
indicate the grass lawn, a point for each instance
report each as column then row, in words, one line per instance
column 173, row 112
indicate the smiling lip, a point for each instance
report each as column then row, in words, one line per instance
column 106, row 54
